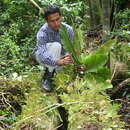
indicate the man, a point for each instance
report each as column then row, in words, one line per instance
column 49, row 51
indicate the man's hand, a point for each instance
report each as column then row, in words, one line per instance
column 65, row 61
column 68, row 59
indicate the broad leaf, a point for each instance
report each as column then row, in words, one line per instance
column 94, row 62
column 106, row 47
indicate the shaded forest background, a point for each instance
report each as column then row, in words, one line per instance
column 20, row 21
column 21, row 100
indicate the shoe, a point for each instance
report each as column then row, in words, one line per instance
column 47, row 85
column 47, row 81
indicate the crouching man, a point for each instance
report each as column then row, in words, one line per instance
column 49, row 51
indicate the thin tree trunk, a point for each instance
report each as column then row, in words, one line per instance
column 94, row 13
column 106, row 18
column 91, row 14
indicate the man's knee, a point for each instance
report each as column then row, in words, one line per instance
column 56, row 45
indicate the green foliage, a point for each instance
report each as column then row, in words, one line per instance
column 85, row 99
column 38, row 112
column 78, row 39
column 122, row 25
column 8, row 47
column 13, row 56
column 89, row 102
column 122, row 52
column 122, row 19
column 12, row 97
column 119, row 3
column 97, row 58
column 18, row 22
column 122, row 35
column 66, row 79
column 106, row 47
column 71, row 10
column 90, row 105
column 24, row 104
column 92, row 61
column 69, row 45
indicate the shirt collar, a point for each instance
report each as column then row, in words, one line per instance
column 50, row 29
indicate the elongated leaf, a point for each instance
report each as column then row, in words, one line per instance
column 67, row 43
column 77, row 39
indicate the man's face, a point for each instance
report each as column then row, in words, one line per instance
column 54, row 21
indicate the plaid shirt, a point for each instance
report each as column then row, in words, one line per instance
column 47, row 35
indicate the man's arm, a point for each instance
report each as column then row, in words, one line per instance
column 41, row 44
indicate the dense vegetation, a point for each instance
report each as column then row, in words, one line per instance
column 91, row 94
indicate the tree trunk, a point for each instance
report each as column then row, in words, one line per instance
column 91, row 14
column 94, row 13
column 106, row 18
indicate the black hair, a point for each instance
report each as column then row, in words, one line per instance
column 51, row 10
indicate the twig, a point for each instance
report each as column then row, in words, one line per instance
column 35, row 4
column 115, row 68
column 2, row 93
column 58, row 126
column 1, row 128
column 8, row 103
column 51, row 107
column 120, row 86
column 2, row 116
column 5, row 125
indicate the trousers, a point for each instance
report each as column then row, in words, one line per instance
column 54, row 50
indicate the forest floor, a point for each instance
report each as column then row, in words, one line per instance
column 25, row 106
column 122, row 93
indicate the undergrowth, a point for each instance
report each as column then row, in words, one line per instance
column 12, row 97
column 90, row 106
column 38, row 113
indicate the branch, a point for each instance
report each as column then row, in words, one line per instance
column 113, row 75
column 35, row 4
column 45, row 110
column 5, row 125
column 120, row 86
column 5, row 100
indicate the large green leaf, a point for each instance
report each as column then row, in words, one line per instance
column 106, row 47
column 104, row 72
column 94, row 62
column 99, row 57
column 77, row 38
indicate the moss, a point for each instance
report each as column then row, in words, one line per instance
column 37, row 113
